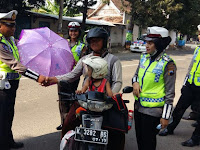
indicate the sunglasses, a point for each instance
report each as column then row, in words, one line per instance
column 11, row 25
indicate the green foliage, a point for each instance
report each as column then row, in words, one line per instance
column 70, row 7
column 179, row 15
column 19, row 5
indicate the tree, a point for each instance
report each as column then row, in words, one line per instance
column 19, row 5
column 179, row 15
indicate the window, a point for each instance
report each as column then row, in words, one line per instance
column 44, row 24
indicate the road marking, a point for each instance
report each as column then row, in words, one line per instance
column 129, row 65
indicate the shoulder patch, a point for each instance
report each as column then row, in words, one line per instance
column 166, row 58
column 171, row 67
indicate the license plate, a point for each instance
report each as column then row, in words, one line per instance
column 91, row 135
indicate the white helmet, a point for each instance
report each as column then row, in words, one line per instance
column 74, row 26
column 156, row 32
column 198, row 27
column 99, row 66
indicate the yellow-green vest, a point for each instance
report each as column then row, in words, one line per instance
column 76, row 51
column 10, row 47
column 151, row 80
column 194, row 75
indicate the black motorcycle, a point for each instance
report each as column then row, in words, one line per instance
column 89, row 135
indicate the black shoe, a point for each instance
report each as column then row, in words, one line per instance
column 194, row 124
column 16, row 145
column 59, row 127
column 189, row 143
column 165, row 132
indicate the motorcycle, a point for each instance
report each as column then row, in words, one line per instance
column 89, row 135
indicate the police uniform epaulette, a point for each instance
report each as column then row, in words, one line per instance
column 144, row 52
column 166, row 58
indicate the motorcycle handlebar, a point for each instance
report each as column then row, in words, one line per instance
column 74, row 97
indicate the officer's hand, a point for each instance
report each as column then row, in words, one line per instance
column 136, row 89
column 50, row 81
column 164, row 123
column 41, row 79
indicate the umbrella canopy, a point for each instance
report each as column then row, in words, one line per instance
column 45, row 52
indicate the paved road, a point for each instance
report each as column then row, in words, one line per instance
column 37, row 113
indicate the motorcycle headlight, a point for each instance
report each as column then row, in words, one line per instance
column 96, row 106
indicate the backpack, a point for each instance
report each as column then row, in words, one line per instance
column 116, row 118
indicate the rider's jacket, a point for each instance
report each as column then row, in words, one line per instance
column 100, row 88
column 76, row 50
column 194, row 74
column 11, row 47
column 157, row 82
column 151, row 75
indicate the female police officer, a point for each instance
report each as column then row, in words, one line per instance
column 154, row 88
column 78, row 49
column 10, row 70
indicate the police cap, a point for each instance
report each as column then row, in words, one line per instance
column 9, row 17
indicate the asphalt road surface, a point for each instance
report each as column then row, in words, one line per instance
column 37, row 113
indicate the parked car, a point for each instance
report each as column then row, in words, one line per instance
column 139, row 45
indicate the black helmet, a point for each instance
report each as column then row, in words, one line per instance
column 98, row 33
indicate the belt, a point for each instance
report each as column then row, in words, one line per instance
column 11, row 76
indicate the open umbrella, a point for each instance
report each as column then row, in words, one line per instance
column 45, row 52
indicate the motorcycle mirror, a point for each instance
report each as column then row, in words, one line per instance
column 127, row 89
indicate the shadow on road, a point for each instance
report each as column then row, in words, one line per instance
column 45, row 142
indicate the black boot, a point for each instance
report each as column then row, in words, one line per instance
column 16, row 145
column 59, row 127
column 190, row 143
column 165, row 132
column 194, row 124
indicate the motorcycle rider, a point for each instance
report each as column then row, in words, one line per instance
column 96, row 81
column 97, row 39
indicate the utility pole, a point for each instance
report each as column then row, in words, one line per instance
column 60, row 17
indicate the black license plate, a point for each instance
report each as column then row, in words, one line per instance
column 91, row 135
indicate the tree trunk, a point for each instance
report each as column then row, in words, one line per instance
column 85, row 5
column 60, row 17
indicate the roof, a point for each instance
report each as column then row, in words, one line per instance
column 119, row 5
column 77, row 19
column 111, row 19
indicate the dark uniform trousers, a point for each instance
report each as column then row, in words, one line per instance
column 190, row 94
column 7, row 103
column 64, row 106
column 145, row 127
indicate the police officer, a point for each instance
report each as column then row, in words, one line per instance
column 190, row 94
column 10, row 72
column 154, row 88
column 78, row 49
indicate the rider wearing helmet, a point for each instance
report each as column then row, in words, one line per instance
column 97, row 40
column 97, row 71
column 154, row 88
column 78, row 49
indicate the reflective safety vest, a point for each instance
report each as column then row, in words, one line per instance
column 76, row 51
column 151, row 80
column 12, row 48
column 194, row 76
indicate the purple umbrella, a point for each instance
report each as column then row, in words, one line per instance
column 45, row 52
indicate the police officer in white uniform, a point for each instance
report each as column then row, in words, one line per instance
column 10, row 72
